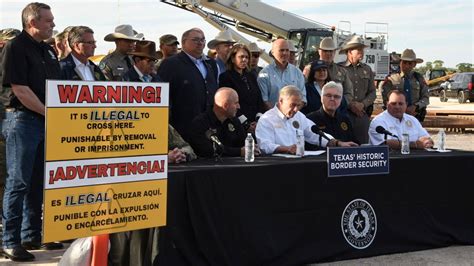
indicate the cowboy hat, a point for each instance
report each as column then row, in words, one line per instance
column 409, row 55
column 222, row 37
column 292, row 47
column 145, row 49
column 327, row 44
column 123, row 32
column 253, row 48
column 354, row 42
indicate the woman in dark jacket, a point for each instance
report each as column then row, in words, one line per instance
column 239, row 77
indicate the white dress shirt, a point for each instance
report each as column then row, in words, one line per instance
column 409, row 124
column 275, row 129
column 85, row 70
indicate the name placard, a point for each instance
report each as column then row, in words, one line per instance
column 365, row 160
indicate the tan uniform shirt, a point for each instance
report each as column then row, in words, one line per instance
column 339, row 74
column 419, row 90
column 114, row 65
column 362, row 78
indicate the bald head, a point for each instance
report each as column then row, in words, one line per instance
column 281, row 51
column 226, row 102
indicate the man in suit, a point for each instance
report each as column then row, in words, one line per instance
column 77, row 66
column 193, row 81
column 144, row 58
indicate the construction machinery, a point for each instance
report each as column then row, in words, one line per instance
column 267, row 23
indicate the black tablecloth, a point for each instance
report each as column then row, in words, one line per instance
column 279, row 211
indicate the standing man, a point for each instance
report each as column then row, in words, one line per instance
column 28, row 63
column 193, row 81
column 117, row 63
column 327, row 52
column 222, row 44
column 279, row 74
column 168, row 47
column 255, row 56
column 412, row 83
column 362, row 77
column 77, row 66
column 396, row 120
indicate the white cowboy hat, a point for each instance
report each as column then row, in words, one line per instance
column 253, row 48
column 354, row 42
column 222, row 37
column 327, row 44
column 123, row 32
column 409, row 55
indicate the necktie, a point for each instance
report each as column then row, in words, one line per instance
column 146, row 78
column 407, row 89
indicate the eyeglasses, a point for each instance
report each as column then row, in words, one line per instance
column 255, row 54
column 148, row 60
column 89, row 42
column 336, row 97
column 198, row 40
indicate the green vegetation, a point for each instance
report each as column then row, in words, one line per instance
column 438, row 64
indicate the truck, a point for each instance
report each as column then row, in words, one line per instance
column 268, row 23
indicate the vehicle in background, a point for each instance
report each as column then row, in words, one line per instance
column 434, row 78
column 460, row 86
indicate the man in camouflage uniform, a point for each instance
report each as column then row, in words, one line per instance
column 411, row 83
column 327, row 52
column 362, row 77
column 117, row 63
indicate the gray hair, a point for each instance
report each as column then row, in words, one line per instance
column 290, row 90
column 332, row 85
column 76, row 33
column 32, row 11
column 186, row 33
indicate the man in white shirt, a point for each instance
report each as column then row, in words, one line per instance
column 279, row 74
column 77, row 66
column 277, row 128
column 396, row 121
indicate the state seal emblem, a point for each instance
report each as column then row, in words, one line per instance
column 359, row 224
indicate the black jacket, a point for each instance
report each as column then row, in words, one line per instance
column 68, row 70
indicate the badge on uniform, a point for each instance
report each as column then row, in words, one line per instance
column 408, row 123
column 296, row 124
column 344, row 126
column 365, row 72
column 231, row 127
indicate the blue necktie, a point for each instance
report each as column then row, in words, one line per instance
column 146, row 78
column 407, row 89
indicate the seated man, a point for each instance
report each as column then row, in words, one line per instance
column 276, row 129
column 395, row 120
column 221, row 122
column 328, row 118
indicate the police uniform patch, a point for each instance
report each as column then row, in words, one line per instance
column 102, row 65
column 231, row 127
column 296, row 124
column 359, row 224
column 344, row 126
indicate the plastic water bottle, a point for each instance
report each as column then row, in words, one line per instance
column 405, row 148
column 299, row 143
column 249, row 148
column 441, row 139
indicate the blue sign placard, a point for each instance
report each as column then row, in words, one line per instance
column 365, row 160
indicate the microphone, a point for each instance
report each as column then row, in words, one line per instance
column 318, row 131
column 244, row 121
column 211, row 135
column 382, row 130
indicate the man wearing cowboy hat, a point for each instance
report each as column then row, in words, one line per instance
column 327, row 52
column 117, row 63
column 77, row 66
column 411, row 83
column 362, row 77
column 144, row 58
column 255, row 52
column 222, row 44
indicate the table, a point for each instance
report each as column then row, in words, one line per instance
column 279, row 211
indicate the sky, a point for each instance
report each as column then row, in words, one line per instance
column 436, row 29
